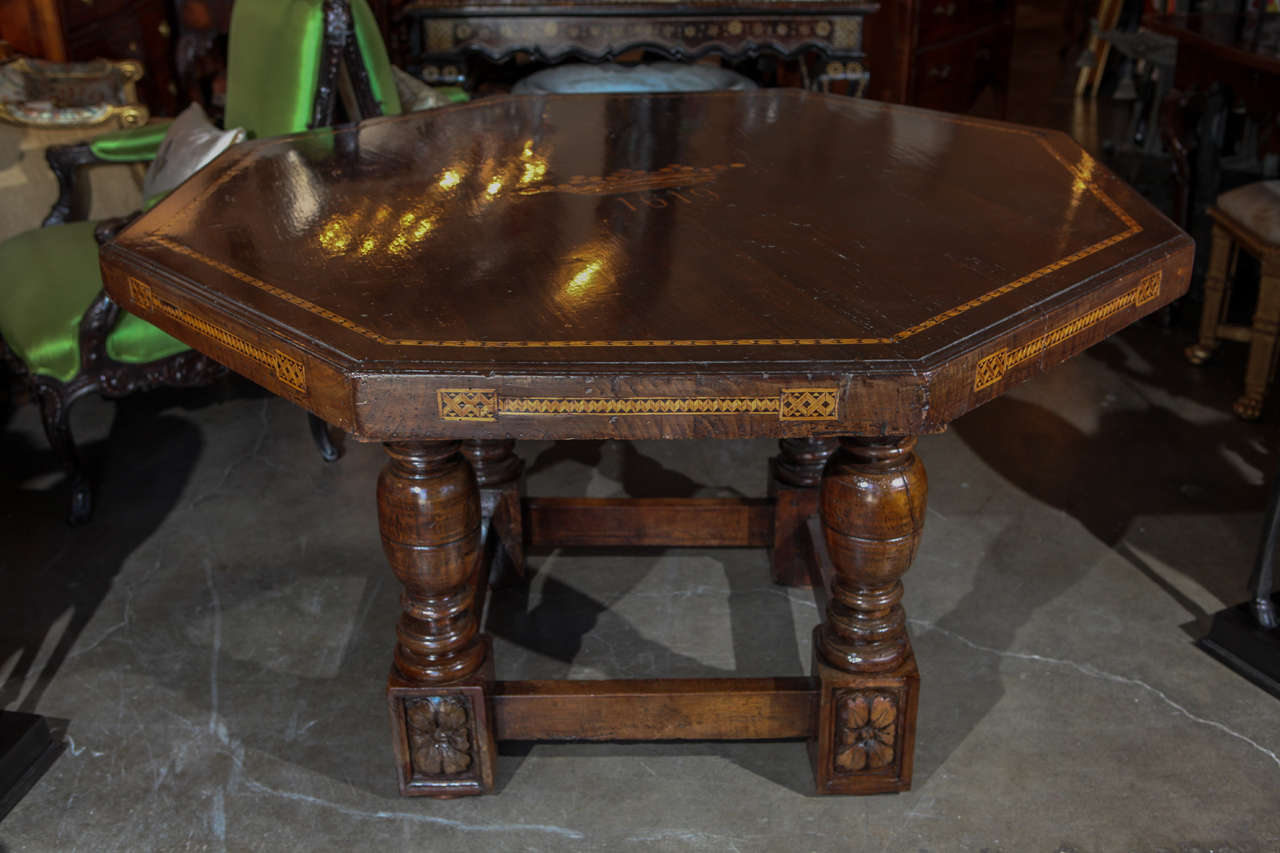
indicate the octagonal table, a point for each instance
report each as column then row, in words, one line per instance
column 839, row 274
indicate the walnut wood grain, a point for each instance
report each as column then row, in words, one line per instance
column 588, row 294
column 647, row 522
column 794, row 475
column 499, row 475
column 873, row 498
column 429, row 517
column 872, row 507
column 656, row 709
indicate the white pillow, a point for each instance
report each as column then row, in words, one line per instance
column 582, row 78
column 191, row 142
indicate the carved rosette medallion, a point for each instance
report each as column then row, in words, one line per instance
column 439, row 729
column 866, row 730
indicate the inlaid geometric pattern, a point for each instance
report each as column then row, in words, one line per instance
column 992, row 368
column 289, row 370
column 461, row 404
column 790, row 404
column 807, row 404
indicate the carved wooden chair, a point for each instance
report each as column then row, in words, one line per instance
column 62, row 333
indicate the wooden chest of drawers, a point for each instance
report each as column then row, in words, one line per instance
column 939, row 54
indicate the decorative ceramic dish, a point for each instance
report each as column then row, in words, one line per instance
column 70, row 94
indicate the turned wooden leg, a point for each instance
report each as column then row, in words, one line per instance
column 794, row 475
column 498, row 472
column 429, row 516
column 872, row 507
column 1217, row 292
column 1262, row 344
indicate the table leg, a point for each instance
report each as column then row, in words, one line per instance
column 429, row 516
column 498, row 473
column 794, row 475
column 872, row 507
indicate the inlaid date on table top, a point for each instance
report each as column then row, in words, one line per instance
column 774, row 263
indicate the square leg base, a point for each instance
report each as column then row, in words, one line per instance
column 442, row 734
column 865, row 741
column 1236, row 639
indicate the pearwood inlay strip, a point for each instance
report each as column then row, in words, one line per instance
column 289, row 370
column 789, row 404
column 992, row 368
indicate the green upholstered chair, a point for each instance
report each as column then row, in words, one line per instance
column 59, row 329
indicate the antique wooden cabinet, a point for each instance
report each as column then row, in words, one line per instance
column 79, row 30
column 441, row 38
column 939, row 54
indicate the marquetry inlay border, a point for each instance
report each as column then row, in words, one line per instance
column 289, row 370
column 636, row 180
column 789, row 404
column 992, row 368
column 1081, row 174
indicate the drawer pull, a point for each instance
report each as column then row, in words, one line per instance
column 941, row 72
column 947, row 9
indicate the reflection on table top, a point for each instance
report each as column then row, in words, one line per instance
column 767, row 232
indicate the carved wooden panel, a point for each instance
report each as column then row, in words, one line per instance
column 678, row 37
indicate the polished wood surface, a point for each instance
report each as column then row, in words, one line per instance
column 649, row 266
column 656, row 709
column 707, row 522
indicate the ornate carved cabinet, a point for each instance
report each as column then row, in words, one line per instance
column 440, row 35
column 940, row 54
column 79, row 30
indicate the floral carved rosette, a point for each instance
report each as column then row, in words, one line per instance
column 867, row 727
column 439, row 735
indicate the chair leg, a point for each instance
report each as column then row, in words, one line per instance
column 1262, row 344
column 330, row 451
column 1217, row 292
column 55, row 406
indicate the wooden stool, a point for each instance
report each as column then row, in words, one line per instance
column 1247, row 217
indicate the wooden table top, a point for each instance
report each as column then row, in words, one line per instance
column 769, row 263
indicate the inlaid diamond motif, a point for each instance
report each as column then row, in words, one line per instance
column 808, row 404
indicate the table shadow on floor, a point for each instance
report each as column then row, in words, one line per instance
column 47, row 568
column 344, row 711
column 1136, row 463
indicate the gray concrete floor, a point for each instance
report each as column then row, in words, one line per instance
column 215, row 643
